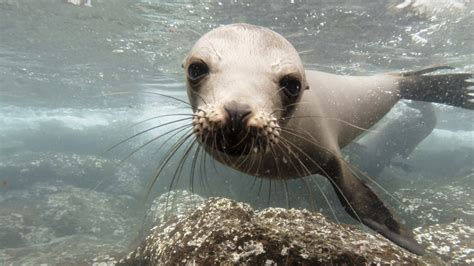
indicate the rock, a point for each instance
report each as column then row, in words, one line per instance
column 222, row 231
column 175, row 203
column 453, row 240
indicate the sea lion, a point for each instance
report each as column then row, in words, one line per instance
column 256, row 109
column 387, row 143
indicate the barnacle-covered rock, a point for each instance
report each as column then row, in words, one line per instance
column 224, row 231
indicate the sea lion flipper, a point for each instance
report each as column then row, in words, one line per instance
column 407, row 242
column 451, row 89
column 364, row 205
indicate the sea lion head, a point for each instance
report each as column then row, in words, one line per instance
column 241, row 81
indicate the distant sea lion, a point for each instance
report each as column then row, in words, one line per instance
column 256, row 109
column 387, row 144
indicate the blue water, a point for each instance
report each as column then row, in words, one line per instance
column 75, row 79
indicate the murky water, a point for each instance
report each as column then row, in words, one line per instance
column 75, row 79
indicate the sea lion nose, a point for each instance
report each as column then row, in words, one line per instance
column 237, row 113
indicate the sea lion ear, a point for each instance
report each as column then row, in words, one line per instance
column 307, row 87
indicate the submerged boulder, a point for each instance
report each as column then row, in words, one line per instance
column 224, row 231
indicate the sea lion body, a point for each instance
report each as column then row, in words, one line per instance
column 258, row 110
column 330, row 100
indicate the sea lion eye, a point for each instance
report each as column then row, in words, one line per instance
column 291, row 86
column 197, row 70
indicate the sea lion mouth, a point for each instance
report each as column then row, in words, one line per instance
column 254, row 135
column 239, row 142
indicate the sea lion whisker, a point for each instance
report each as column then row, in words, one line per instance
column 259, row 158
column 217, row 153
column 350, row 166
column 178, row 129
column 330, row 118
column 312, row 178
column 252, row 160
column 282, row 145
column 288, row 148
column 328, row 177
column 297, row 134
column 269, row 180
column 333, row 212
column 171, row 152
column 312, row 200
column 214, row 151
column 259, row 164
column 254, row 157
column 182, row 161
column 136, row 150
column 277, row 110
column 356, row 215
column 308, row 173
column 203, row 170
column 355, row 170
column 250, row 155
column 193, row 167
column 143, row 145
column 143, row 132
column 272, row 96
column 199, row 95
column 287, row 193
column 260, row 187
column 247, row 132
column 171, row 97
column 245, row 157
column 160, row 116
column 252, row 185
column 287, row 199
column 179, row 169
column 296, row 104
column 275, row 157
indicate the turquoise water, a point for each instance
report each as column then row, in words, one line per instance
column 74, row 79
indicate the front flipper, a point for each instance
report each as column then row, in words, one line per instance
column 364, row 205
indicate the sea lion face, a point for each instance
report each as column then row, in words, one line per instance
column 242, row 80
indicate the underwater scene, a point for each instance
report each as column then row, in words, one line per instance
column 109, row 154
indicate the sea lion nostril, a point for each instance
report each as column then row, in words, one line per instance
column 237, row 113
